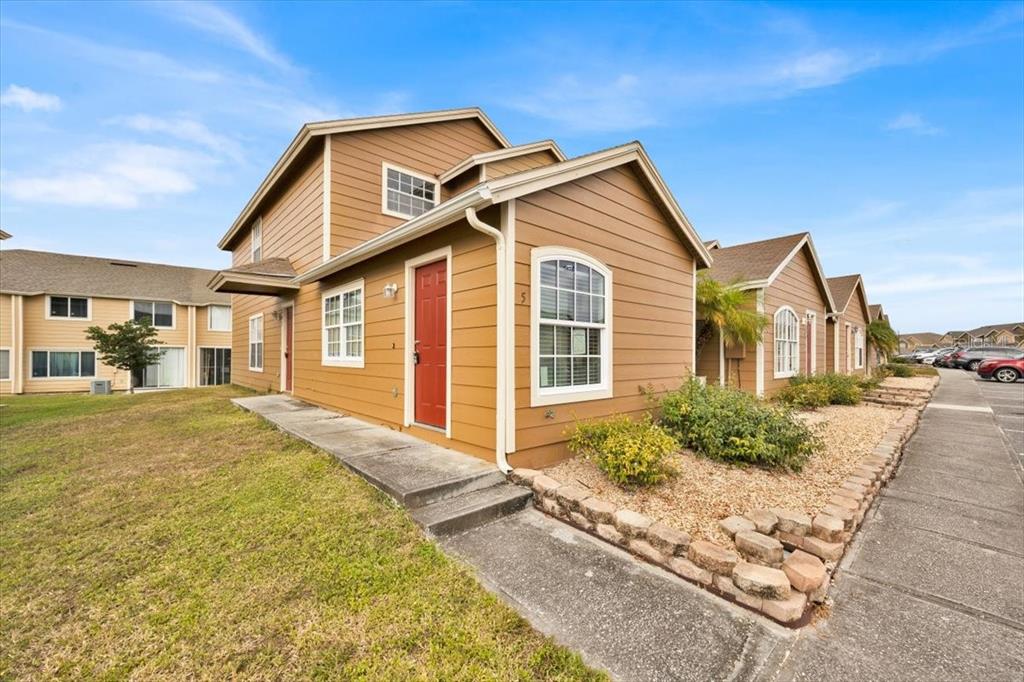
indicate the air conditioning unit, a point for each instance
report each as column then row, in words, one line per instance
column 100, row 387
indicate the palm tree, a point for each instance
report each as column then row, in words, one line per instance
column 729, row 310
column 881, row 336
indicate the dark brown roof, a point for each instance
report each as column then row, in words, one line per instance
column 42, row 272
column 876, row 310
column 842, row 288
column 927, row 337
column 753, row 261
column 985, row 329
column 278, row 267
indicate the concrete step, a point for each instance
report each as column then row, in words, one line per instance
column 471, row 509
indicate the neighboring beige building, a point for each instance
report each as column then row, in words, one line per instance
column 48, row 300
column 848, row 350
column 790, row 289
column 421, row 272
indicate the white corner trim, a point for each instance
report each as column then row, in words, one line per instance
column 344, row 360
column 835, row 346
column 693, row 323
column 288, row 365
column 385, row 166
column 759, row 368
column 721, row 359
column 445, row 254
column 556, row 396
column 327, row 199
column 191, row 355
column 812, row 344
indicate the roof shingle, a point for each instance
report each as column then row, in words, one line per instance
column 752, row 261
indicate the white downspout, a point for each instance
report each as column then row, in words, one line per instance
column 502, row 334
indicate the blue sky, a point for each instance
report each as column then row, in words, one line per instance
column 893, row 132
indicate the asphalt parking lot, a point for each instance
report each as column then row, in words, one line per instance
column 1007, row 403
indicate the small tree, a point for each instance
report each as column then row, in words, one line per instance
column 881, row 336
column 127, row 345
column 729, row 310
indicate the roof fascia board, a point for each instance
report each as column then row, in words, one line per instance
column 309, row 130
column 499, row 155
column 113, row 297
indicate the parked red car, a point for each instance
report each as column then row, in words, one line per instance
column 1005, row 370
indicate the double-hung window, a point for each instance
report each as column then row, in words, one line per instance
column 67, row 307
column 787, row 343
column 257, row 240
column 63, row 364
column 571, row 320
column 342, row 334
column 256, row 342
column 218, row 318
column 5, row 364
column 160, row 314
column 407, row 194
column 858, row 348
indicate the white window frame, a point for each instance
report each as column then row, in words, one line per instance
column 344, row 360
column 256, row 240
column 174, row 312
column 184, row 370
column 556, row 395
column 95, row 364
column 68, row 318
column 794, row 343
column 209, row 318
column 385, row 166
column 859, row 348
column 10, row 365
column 261, row 341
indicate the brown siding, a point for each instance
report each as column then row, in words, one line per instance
column 242, row 308
column 707, row 360
column 376, row 391
column 854, row 316
column 611, row 217
column 797, row 287
column 356, row 170
column 517, row 164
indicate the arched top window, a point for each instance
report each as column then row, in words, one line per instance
column 571, row 325
column 787, row 342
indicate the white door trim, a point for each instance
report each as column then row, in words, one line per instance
column 812, row 350
column 291, row 361
column 444, row 253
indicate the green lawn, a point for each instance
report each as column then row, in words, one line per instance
column 170, row 535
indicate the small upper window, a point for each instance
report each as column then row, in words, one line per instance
column 256, row 342
column 157, row 313
column 257, row 240
column 70, row 307
column 406, row 194
column 219, row 318
column 787, row 343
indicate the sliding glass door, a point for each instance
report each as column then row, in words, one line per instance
column 214, row 366
column 168, row 372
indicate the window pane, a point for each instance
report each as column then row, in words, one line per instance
column 547, row 339
column 582, row 277
column 595, row 370
column 354, row 341
column 334, row 342
column 594, row 343
column 79, row 307
column 143, row 311
column 409, row 195
column 5, row 364
column 596, row 283
column 58, row 306
column 547, row 372
column 220, row 318
column 580, row 370
column 566, row 274
column 549, row 273
column 164, row 314
column 582, row 308
column 579, row 341
column 563, row 342
column 548, row 305
column 332, row 311
column 39, row 363
column 597, row 309
column 63, row 364
column 563, row 372
column 566, row 309
column 88, row 364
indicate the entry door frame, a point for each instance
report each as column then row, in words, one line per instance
column 445, row 254
column 287, row 358
column 812, row 342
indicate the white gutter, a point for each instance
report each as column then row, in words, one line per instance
column 502, row 336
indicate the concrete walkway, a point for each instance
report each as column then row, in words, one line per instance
column 933, row 588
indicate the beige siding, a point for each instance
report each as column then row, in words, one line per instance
column 242, row 308
column 356, row 170
column 853, row 317
column 462, row 182
column 708, row 360
column 6, row 338
column 205, row 337
column 376, row 392
column 797, row 287
column 610, row 217
column 517, row 164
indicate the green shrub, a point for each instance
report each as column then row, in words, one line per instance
column 899, row 361
column 733, row 426
column 897, row 370
column 803, row 395
column 628, row 452
column 843, row 389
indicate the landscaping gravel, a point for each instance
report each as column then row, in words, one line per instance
column 919, row 383
column 703, row 491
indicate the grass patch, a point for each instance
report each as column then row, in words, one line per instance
column 170, row 535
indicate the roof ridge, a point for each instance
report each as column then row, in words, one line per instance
column 108, row 259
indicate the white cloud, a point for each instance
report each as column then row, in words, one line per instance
column 912, row 123
column 182, row 128
column 966, row 277
column 223, row 24
column 28, row 99
column 117, row 175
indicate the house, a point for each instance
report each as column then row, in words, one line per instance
column 846, row 336
column 876, row 313
column 421, row 272
column 912, row 342
column 1007, row 334
column 48, row 300
column 790, row 288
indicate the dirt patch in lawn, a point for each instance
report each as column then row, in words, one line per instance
column 704, row 491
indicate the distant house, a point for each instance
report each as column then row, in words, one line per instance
column 790, row 288
column 1008, row 334
column 847, row 345
column 919, row 340
column 48, row 300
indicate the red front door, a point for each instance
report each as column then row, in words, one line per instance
column 431, row 343
column 288, row 325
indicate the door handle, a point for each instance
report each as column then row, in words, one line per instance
column 416, row 357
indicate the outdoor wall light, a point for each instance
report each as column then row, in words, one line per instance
column 390, row 290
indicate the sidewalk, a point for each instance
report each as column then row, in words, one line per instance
column 934, row 587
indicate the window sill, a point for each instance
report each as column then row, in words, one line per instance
column 256, row 369
column 404, row 216
column 783, row 375
column 351, row 364
column 538, row 399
